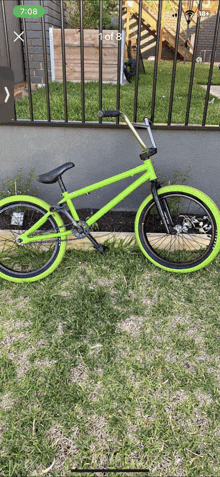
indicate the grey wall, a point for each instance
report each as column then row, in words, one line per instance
column 100, row 153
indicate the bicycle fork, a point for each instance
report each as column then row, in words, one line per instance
column 166, row 219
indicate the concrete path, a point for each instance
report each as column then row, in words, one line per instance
column 215, row 90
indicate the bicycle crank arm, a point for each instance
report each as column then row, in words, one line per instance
column 100, row 248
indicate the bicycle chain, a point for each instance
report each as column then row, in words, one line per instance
column 76, row 233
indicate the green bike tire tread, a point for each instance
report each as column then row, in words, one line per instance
column 41, row 203
column 197, row 195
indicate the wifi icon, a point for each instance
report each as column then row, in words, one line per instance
column 189, row 13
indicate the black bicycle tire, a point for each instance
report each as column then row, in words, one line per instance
column 206, row 202
column 57, row 255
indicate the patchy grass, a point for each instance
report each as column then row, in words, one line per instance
column 145, row 87
column 111, row 362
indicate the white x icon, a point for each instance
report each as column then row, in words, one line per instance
column 18, row 36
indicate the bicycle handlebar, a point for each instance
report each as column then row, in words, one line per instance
column 108, row 114
column 111, row 114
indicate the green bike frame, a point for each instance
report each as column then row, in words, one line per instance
column 149, row 175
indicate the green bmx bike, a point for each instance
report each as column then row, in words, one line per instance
column 176, row 227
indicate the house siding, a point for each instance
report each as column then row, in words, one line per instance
column 35, row 40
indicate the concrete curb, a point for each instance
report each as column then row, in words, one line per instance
column 178, row 242
column 85, row 244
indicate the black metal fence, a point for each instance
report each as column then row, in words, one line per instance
column 83, row 122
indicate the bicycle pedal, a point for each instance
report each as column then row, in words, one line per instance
column 101, row 248
column 105, row 248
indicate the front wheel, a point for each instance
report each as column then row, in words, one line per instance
column 32, row 261
column 193, row 220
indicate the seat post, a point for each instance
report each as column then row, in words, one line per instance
column 61, row 184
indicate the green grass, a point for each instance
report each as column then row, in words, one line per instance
column 110, row 362
column 127, row 97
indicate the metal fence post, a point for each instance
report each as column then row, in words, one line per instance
column 174, row 62
column 45, row 64
column 119, row 59
column 211, row 65
column 100, row 58
column 63, row 60
column 137, row 61
column 156, row 60
column 82, row 62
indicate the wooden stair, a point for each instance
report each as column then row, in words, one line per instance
column 149, row 21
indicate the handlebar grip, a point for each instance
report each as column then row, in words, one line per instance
column 108, row 114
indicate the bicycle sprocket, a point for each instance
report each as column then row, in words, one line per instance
column 83, row 232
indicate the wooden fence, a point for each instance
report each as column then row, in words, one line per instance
column 91, row 55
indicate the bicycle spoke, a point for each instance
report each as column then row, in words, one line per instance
column 26, row 257
column 188, row 241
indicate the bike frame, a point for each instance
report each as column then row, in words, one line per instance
column 149, row 175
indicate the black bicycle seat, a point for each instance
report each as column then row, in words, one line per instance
column 52, row 176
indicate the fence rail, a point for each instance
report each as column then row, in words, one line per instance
column 100, row 123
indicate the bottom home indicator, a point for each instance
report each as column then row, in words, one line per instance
column 105, row 472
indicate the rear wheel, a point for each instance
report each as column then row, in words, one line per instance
column 32, row 261
column 194, row 238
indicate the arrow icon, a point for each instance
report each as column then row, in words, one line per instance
column 7, row 110
column 8, row 94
